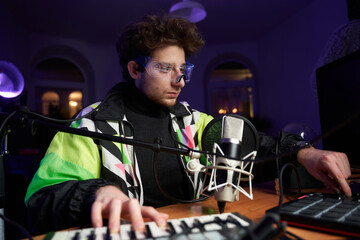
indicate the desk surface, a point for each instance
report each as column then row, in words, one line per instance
column 264, row 199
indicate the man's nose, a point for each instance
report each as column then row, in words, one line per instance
column 178, row 77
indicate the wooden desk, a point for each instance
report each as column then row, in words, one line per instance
column 264, row 199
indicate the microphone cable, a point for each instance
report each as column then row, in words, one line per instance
column 281, row 191
column 17, row 226
column 162, row 190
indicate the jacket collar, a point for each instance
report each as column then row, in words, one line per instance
column 112, row 107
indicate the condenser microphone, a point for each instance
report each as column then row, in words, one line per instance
column 231, row 140
column 239, row 140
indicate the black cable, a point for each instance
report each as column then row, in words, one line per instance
column 281, row 180
column 2, row 127
column 164, row 193
column 17, row 226
column 28, row 111
column 294, row 235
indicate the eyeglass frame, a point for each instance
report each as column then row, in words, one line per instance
column 144, row 60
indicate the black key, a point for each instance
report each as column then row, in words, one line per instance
column 220, row 222
column 77, row 236
column 107, row 235
column 184, row 225
column 197, row 224
column 172, row 230
column 148, row 232
column 92, row 235
column 132, row 233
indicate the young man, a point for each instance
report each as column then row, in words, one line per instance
column 82, row 181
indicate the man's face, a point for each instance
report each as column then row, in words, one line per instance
column 163, row 90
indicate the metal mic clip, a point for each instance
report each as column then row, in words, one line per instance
column 194, row 164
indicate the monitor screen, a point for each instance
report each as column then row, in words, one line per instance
column 338, row 87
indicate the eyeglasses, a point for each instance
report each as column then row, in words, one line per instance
column 165, row 70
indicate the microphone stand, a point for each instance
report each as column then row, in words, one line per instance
column 100, row 136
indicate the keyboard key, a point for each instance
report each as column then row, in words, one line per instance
column 353, row 219
column 332, row 215
column 310, row 212
column 328, row 211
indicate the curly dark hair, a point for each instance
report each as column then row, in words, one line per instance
column 142, row 38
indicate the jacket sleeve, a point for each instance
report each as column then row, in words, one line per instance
column 62, row 205
column 284, row 147
column 63, row 187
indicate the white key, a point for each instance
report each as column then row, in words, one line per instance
column 241, row 221
column 85, row 233
column 60, row 235
column 115, row 236
column 125, row 231
column 141, row 234
column 211, row 226
column 157, row 231
column 176, row 225
column 71, row 234
column 190, row 223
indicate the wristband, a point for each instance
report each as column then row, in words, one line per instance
column 302, row 144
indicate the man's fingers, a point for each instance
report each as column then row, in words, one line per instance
column 339, row 172
column 134, row 211
column 345, row 165
column 330, row 183
column 341, row 182
column 344, row 187
column 114, row 215
column 112, row 205
column 159, row 218
column 96, row 217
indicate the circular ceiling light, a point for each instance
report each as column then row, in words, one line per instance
column 190, row 10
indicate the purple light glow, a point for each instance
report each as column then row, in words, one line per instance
column 190, row 10
column 11, row 80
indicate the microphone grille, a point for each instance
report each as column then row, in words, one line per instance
column 233, row 127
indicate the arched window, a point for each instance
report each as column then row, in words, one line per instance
column 61, row 77
column 231, row 89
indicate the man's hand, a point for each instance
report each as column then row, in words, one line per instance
column 332, row 168
column 111, row 203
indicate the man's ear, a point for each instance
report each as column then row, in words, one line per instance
column 133, row 70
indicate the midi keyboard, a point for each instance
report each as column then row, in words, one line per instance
column 216, row 226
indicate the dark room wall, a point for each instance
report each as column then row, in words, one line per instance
column 287, row 57
column 14, row 45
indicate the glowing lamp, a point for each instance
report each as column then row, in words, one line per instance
column 11, row 80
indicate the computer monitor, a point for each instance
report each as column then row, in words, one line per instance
column 338, row 88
